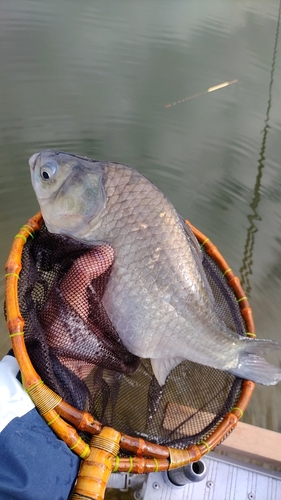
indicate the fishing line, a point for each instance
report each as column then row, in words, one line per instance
column 247, row 261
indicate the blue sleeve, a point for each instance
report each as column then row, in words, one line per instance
column 34, row 463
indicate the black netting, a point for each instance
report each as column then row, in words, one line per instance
column 77, row 352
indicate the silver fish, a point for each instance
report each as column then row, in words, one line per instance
column 157, row 297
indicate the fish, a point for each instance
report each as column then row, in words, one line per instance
column 158, row 297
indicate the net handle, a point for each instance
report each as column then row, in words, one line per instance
column 56, row 411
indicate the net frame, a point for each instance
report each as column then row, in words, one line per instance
column 65, row 420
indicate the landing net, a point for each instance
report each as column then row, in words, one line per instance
column 77, row 352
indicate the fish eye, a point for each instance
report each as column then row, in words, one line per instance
column 48, row 170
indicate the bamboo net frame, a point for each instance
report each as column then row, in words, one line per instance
column 100, row 458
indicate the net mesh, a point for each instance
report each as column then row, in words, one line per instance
column 77, row 352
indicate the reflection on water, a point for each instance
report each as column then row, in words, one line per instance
column 246, row 269
column 93, row 78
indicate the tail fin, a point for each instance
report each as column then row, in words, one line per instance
column 253, row 366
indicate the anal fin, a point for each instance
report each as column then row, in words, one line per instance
column 162, row 366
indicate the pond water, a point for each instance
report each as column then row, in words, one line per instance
column 95, row 78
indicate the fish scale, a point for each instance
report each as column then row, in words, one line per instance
column 129, row 297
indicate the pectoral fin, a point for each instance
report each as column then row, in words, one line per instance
column 162, row 367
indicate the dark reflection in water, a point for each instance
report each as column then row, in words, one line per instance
column 93, row 78
column 246, row 269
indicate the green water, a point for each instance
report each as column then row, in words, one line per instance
column 94, row 77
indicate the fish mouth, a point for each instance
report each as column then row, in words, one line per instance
column 32, row 160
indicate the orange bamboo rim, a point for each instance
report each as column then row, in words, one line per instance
column 66, row 420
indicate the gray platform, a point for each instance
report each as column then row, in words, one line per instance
column 225, row 479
